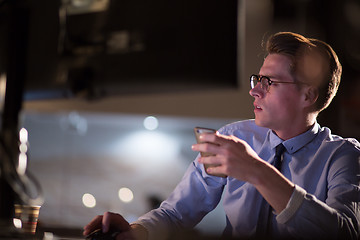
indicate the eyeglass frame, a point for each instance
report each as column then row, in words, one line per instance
column 259, row 79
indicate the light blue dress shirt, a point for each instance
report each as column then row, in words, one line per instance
column 325, row 203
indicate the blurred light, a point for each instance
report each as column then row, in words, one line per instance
column 81, row 3
column 23, row 135
column 22, row 163
column 74, row 123
column 23, row 147
column 2, row 90
column 151, row 123
column 126, row 195
column 147, row 148
column 48, row 236
column 89, row 200
column 85, row 6
column 17, row 223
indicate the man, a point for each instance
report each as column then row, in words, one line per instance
column 312, row 193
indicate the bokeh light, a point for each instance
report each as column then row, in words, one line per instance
column 126, row 195
column 151, row 123
column 89, row 200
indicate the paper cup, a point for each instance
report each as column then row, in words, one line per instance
column 28, row 215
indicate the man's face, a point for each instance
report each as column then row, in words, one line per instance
column 279, row 108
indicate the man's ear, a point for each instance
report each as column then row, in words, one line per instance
column 311, row 95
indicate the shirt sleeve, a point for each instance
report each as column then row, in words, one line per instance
column 293, row 205
column 336, row 218
column 196, row 195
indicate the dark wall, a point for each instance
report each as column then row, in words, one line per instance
column 337, row 23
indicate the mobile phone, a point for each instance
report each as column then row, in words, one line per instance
column 201, row 130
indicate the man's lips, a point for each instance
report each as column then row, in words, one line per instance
column 257, row 107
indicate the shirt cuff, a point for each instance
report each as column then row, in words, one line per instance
column 292, row 206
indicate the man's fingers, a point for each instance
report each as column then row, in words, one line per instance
column 114, row 220
column 94, row 224
column 209, row 160
column 107, row 221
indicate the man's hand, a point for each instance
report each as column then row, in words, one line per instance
column 235, row 158
column 232, row 156
column 115, row 222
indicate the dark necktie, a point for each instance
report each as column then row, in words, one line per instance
column 280, row 149
column 265, row 210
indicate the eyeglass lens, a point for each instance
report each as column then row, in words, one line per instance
column 264, row 82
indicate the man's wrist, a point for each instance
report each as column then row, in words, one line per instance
column 139, row 231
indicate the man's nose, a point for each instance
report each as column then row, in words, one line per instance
column 257, row 91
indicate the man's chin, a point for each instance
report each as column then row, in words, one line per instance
column 260, row 123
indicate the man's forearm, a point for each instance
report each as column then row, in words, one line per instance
column 274, row 187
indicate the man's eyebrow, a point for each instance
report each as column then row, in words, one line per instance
column 273, row 76
column 269, row 76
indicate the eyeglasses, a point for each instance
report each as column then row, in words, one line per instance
column 264, row 81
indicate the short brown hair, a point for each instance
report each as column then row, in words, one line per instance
column 297, row 47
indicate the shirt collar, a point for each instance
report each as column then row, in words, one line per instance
column 294, row 144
